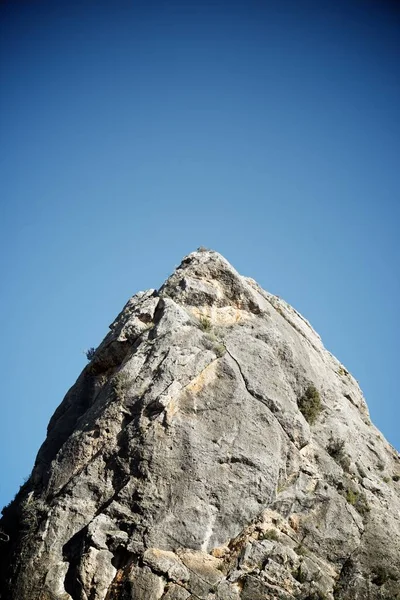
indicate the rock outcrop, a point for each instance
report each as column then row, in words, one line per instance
column 212, row 449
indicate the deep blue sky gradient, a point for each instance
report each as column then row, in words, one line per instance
column 134, row 132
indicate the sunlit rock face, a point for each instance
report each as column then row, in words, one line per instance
column 211, row 449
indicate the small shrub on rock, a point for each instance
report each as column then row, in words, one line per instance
column 300, row 575
column 301, row 550
column 90, row 353
column 120, row 384
column 310, row 404
column 205, row 324
column 270, row 534
column 31, row 513
column 219, row 350
column 358, row 500
column 336, row 449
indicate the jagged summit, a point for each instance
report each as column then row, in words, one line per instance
column 212, row 449
column 205, row 278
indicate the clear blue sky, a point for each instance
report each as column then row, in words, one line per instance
column 134, row 132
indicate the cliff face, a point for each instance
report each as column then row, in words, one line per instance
column 211, row 449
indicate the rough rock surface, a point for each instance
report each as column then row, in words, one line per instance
column 180, row 466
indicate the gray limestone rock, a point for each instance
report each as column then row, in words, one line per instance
column 212, row 449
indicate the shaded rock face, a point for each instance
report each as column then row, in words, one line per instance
column 212, row 449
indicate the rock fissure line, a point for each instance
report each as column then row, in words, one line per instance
column 211, row 585
column 266, row 401
column 361, row 530
column 250, row 391
column 164, row 575
column 74, row 476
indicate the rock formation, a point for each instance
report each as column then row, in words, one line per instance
column 212, row 449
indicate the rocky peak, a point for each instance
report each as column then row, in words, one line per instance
column 212, row 449
column 206, row 279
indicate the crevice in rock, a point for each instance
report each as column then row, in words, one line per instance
column 118, row 590
column 347, row 569
column 268, row 402
column 57, row 494
column 111, row 355
column 122, row 558
column 243, row 460
column 212, row 587
column 360, row 530
column 164, row 575
column 73, row 550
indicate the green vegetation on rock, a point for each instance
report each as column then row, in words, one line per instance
column 310, row 404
